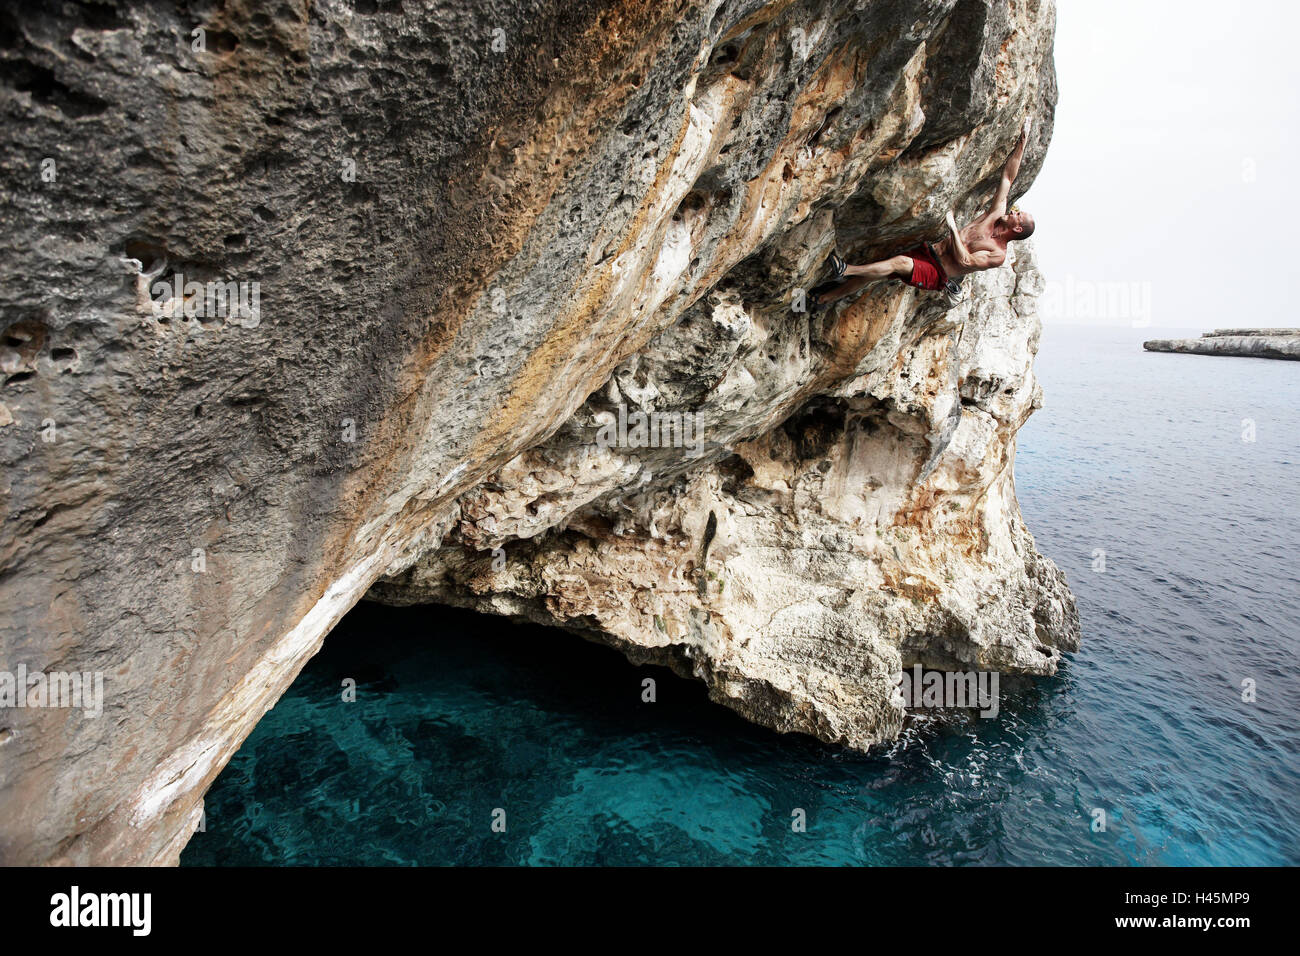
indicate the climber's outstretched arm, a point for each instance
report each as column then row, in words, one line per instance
column 1009, row 173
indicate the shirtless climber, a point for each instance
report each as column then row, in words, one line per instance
column 981, row 245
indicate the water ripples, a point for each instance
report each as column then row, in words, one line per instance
column 1135, row 454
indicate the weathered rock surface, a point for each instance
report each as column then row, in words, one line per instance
column 851, row 513
column 1247, row 343
column 476, row 226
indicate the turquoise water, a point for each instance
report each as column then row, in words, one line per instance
column 1137, row 454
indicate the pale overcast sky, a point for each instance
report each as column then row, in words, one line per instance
column 1171, row 161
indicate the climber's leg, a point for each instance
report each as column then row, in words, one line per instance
column 894, row 266
column 857, row 276
column 847, row 287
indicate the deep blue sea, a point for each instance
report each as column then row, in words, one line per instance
column 1140, row 456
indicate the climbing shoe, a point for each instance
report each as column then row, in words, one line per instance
column 837, row 265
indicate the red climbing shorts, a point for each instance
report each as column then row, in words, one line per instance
column 927, row 271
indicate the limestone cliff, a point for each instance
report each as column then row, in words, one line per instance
column 481, row 232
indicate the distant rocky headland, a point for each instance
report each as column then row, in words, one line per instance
column 1252, row 343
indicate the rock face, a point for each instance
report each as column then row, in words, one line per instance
column 849, row 511
column 479, row 231
column 1248, row 343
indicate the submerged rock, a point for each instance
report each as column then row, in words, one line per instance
column 1248, row 343
column 305, row 301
